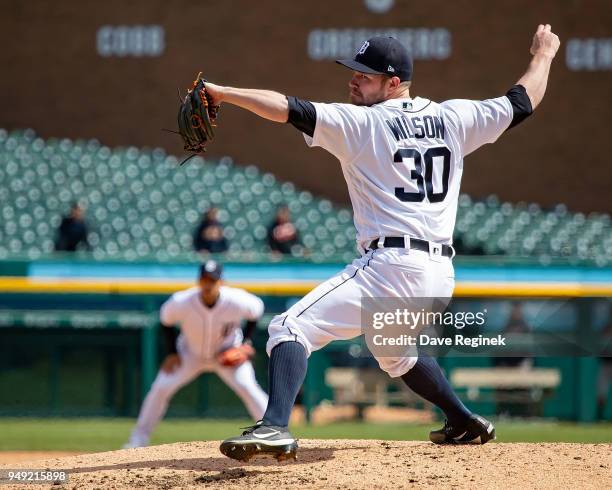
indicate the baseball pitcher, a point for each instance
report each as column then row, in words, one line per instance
column 210, row 340
column 402, row 158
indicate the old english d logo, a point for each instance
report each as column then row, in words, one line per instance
column 363, row 48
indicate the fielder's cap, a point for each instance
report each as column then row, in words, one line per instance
column 382, row 55
column 212, row 269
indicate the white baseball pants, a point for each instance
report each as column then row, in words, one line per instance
column 332, row 311
column 240, row 379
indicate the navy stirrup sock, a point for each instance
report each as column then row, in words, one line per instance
column 427, row 380
column 286, row 374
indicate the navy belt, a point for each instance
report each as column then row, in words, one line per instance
column 415, row 243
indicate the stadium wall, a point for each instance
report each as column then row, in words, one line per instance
column 81, row 337
column 110, row 70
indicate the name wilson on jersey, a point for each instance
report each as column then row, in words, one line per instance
column 403, row 127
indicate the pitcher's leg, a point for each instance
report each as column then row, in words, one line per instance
column 331, row 311
column 427, row 380
column 425, row 377
column 286, row 373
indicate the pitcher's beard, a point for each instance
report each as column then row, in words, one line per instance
column 355, row 102
column 361, row 102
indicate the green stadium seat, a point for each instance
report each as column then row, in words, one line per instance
column 301, row 224
column 276, row 197
column 140, row 203
column 21, row 203
column 260, row 232
column 258, row 189
column 221, row 171
column 253, row 216
column 340, row 242
column 15, row 245
column 241, row 224
column 305, row 197
column 309, row 240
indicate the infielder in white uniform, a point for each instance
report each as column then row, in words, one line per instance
column 210, row 340
column 402, row 158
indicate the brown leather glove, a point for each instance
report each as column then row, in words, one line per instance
column 235, row 356
column 171, row 363
column 197, row 117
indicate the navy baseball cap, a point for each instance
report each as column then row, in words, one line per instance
column 212, row 269
column 382, row 55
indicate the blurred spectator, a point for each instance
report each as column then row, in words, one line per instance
column 461, row 248
column 282, row 234
column 209, row 236
column 516, row 326
column 72, row 231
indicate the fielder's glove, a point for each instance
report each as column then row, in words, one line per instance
column 235, row 356
column 197, row 118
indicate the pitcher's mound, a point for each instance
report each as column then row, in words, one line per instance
column 344, row 464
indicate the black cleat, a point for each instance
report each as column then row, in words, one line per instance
column 261, row 440
column 477, row 430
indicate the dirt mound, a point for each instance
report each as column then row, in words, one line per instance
column 342, row 464
column 18, row 456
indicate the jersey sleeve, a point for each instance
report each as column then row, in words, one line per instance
column 341, row 129
column 251, row 306
column 477, row 123
column 169, row 313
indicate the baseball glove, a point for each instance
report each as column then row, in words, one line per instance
column 197, row 117
column 235, row 356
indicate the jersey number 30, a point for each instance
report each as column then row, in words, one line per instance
column 424, row 182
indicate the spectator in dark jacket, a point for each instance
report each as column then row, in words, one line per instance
column 282, row 233
column 209, row 237
column 72, row 231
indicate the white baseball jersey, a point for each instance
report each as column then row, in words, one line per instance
column 403, row 160
column 206, row 331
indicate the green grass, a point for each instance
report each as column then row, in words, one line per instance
column 102, row 434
